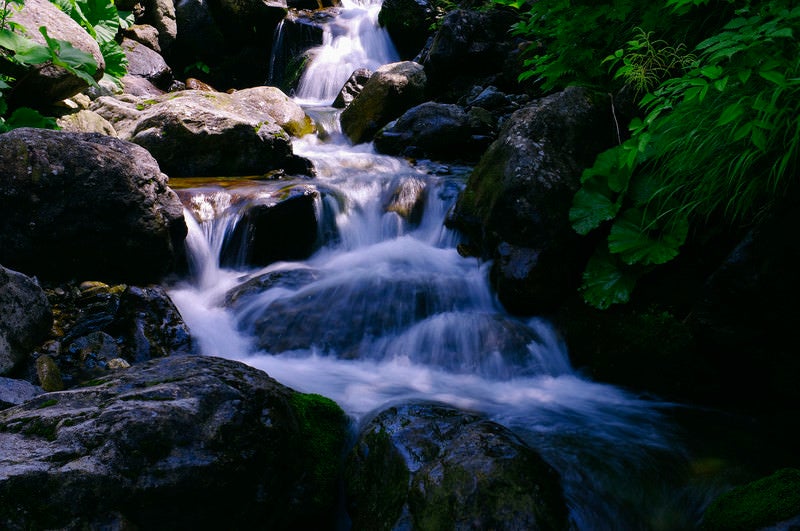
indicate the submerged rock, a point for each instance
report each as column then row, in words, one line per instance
column 515, row 208
column 25, row 317
column 85, row 205
column 431, row 466
column 200, row 133
column 181, row 443
column 390, row 91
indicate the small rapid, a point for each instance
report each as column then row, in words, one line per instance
column 387, row 311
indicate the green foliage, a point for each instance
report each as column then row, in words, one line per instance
column 720, row 137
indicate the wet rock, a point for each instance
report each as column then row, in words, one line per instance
column 352, row 87
column 470, row 46
column 291, row 279
column 276, row 228
column 183, row 443
column 146, row 63
column 200, row 133
column 47, row 83
column 25, row 317
column 15, row 392
column 299, row 33
column 430, row 466
column 408, row 23
column 49, row 374
column 433, row 130
column 85, row 205
column 390, row 91
column 516, row 203
column 407, row 200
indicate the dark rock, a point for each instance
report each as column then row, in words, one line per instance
column 139, row 86
column 15, row 392
column 516, row 203
column 352, row 87
column 146, row 63
column 49, row 374
column 195, row 84
column 85, row 205
column 470, row 46
column 491, row 99
column 282, row 228
column 291, row 279
column 312, row 4
column 47, row 83
column 408, row 23
column 433, row 130
column 390, row 91
column 186, row 442
column 25, row 317
column 159, row 14
column 429, row 466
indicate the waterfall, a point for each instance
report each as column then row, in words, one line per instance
column 352, row 40
column 388, row 311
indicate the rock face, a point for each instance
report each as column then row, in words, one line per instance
column 180, row 443
column 516, row 203
column 428, row 466
column 299, row 32
column 408, row 23
column 25, row 317
column 85, row 205
column 390, row 91
column 469, row 46
column 200, row 133
column 352, row 87
column 15, row 392
column 47, row 83
column 433, row 130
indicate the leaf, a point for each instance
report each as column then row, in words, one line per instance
column 774, row 77
column 25, row 50
column 591, row 207
column 26, row 117
column 103, row 16
column 605, row 283
column 639, row 239
column 116, row 61
column 66, row 55
column 731, row 113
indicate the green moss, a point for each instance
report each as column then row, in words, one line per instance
column 761, row 503
column 47, row 403
column 323, row 429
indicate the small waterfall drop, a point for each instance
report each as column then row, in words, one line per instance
column 352, row 40
column 388, row 311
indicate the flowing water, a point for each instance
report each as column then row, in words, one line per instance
column 385, row 310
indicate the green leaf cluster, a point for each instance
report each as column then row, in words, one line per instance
column 720, row 138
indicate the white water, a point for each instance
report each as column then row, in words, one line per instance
column 352, row 40
column 389, row 311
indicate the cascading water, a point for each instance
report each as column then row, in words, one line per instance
column 388, row 311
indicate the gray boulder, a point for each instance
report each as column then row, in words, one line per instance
column 144, row 34
column 85, row 121
column 202, row 133
column 25, row 317
column 391, row 90
column 14, row 392
column 352, row 87
column 186, row 442
column 146, row 63
column 47, row 83
column 430, row 466
column 85, row 205
column 434, row 130
column 515, row 207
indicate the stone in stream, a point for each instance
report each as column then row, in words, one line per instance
column 432, row 466
column 390, row 91
column 199, row 133
column 187, row 442
column 25, row 317
column 515, row 207
column 352, row 87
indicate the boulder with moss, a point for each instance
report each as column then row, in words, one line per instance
column 201, row 133
column 430, row 466
column 185, row 442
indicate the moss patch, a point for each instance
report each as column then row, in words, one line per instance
column 761, row 503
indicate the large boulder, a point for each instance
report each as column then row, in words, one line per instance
column 25, row 317
column 15, row 392
column 146, row 63
column 391, row 90
column 47, row 83
column 469, row 47
column 515, row 207
column 186, row 442
column 408, row 23
column 85, row 205
column 430, row 466
column 434, row 130
column 202, row 133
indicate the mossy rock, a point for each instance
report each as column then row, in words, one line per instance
column 759, row 504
